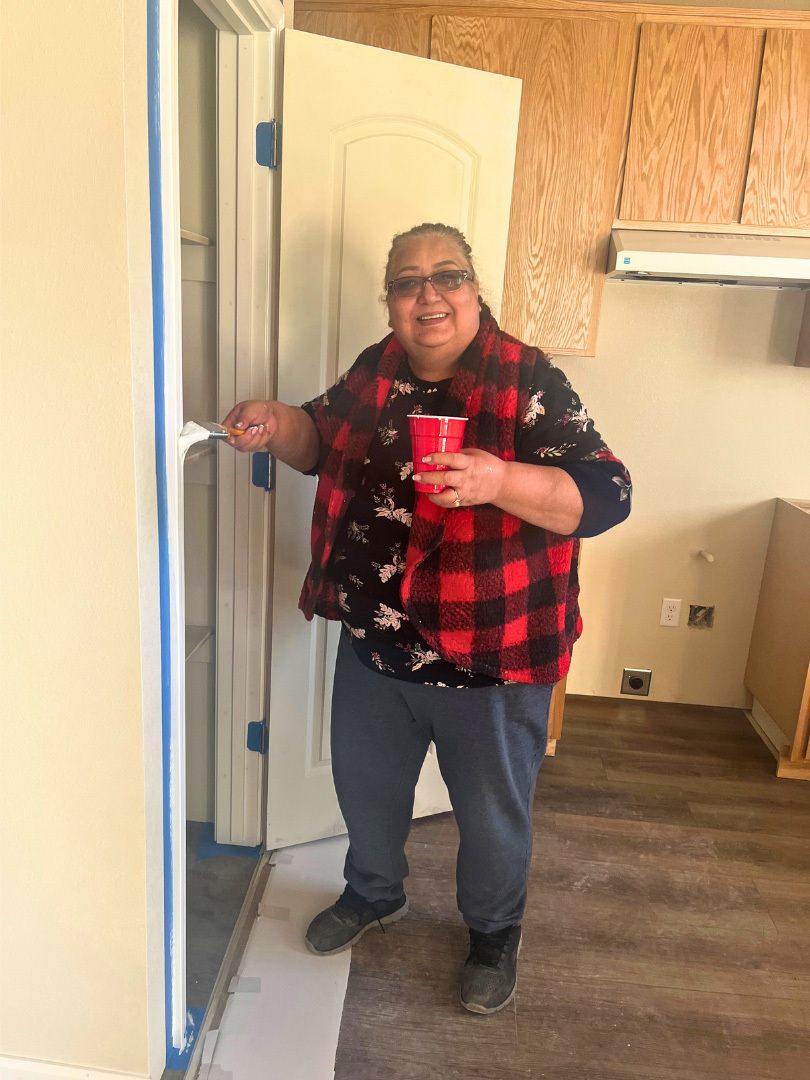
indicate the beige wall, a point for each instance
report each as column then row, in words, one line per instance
column 693, row 386
column 78, row 838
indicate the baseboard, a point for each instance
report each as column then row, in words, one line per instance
column 12, row 1068
column 770, row 734
column 774, row 738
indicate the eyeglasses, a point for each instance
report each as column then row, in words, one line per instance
column 444, row 282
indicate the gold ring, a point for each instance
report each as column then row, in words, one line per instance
column 457, row 502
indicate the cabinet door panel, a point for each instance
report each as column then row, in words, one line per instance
column 576, row 77
column 397, row 32
column 693, row 112
column 778, row 188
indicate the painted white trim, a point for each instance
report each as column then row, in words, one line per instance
column 139, row 255
column 243, row 17
column 767, row 728
column 173, row 406
column 246, row 233
column 12, row 1068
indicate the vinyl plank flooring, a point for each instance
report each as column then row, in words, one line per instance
column 732, row 852
column 642, row 802
column 750, row 816
column 692, row 745
column 665, row 936
column 756, row 780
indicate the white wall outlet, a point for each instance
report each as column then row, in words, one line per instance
column 670, row 612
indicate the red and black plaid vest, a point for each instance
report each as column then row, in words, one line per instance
column 485, row 589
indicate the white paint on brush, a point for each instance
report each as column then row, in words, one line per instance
column 192, row 434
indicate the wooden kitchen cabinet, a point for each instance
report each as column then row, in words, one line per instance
column 777, row 674
column 576, row 76
column 693, row 112
column 396, row 31
column 646, row 115
column 777, row 192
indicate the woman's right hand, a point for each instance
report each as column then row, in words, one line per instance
column 259, row 419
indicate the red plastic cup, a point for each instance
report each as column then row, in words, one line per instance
column 434, row 435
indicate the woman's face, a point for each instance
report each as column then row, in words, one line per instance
column 435, row 329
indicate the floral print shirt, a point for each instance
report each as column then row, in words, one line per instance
column 368, row 559
column 369, row 556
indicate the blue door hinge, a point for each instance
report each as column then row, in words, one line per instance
column 267, row 148
column 264, row 471
column 257, row 736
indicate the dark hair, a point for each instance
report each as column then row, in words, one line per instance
column 448, row 232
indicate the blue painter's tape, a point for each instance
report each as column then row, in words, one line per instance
column 159, row 340
column 159, row 346
column 208, row 847
column 177, row 1060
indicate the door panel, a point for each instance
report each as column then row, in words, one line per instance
column 374, row 142
column 693, row 111
column 777, row 191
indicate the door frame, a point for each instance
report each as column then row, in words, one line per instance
column 250, row 32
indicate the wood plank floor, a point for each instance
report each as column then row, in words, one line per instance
column 666, row 934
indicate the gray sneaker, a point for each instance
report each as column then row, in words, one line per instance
column 490, row 973
column 341, row 925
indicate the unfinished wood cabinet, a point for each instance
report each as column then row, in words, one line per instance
column 693, row 112
column 778, row 671
column 777, row 190
column 396, row 31
column 556, row 709
column 576, row 76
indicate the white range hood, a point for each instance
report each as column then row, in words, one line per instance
column 731, row 259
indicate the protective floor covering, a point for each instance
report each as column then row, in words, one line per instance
column 282, row 1019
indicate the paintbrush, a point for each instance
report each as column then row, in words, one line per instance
column 193, row 433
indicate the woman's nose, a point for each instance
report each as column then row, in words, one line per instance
column 429, row 293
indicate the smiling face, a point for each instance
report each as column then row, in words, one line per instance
column 434, row 329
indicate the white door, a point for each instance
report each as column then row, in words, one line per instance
column 373, row 142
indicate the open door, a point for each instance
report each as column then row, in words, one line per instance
column 373, row 143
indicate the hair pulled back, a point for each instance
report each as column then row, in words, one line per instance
column 447, row 232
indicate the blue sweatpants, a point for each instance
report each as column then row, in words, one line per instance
column 490, row 743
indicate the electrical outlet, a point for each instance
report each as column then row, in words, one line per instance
column 701, row 617
column 636, row 681
column 670, row 612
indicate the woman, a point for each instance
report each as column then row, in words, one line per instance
column 459, row 609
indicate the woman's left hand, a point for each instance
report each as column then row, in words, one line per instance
column 476, row 475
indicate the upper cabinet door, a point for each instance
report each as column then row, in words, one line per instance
column 576, row 83
column 778, row 189
column 693, row 112
column 397, row 31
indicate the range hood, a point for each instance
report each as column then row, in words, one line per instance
column 732, row 259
